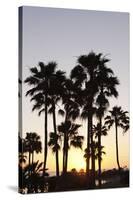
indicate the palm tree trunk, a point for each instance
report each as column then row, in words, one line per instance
column 99, row 153
column 117, row 151
column 65, row 156
column 32, row 161
column 55, row 131
column 66, row 152
column 46, row 137
column 88, row 148
column 32, row 157
column 93, row 155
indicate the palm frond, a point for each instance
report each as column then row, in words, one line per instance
column 31, row 80
column 41, row 111
column 34, row 70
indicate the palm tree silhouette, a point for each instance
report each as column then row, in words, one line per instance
column 46, row 81
column 22, row 150
column 33, row 144
column 120, row 119
column 85, row 74
column 98, row 80
column 71, row 110
column 69, row 130
column 107, row 83
column 39, row 91
column 55, row 92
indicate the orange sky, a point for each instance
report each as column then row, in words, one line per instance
column 75, row 156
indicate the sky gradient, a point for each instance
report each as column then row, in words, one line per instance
column 61, row 35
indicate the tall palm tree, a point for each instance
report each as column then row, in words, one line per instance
column 45, row 81
column 55, row 92
column 84, row 74
column 39, row 82
column 120, row 119
column 71, row 109
column 107, row 83
column 69, row 130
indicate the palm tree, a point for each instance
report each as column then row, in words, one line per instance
column 45, row 81
column 120, row 119
column 33, row 145
column 56, row 90
column 84, row 75
column 22, row 151
column 71, row 109
column 107, row 83
column 39, row 82
column 69, row 131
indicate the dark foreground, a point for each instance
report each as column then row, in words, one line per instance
column 75, row 181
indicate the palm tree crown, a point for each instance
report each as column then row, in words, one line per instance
column 118, row 116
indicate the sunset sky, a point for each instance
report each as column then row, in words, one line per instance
column 62, row 35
